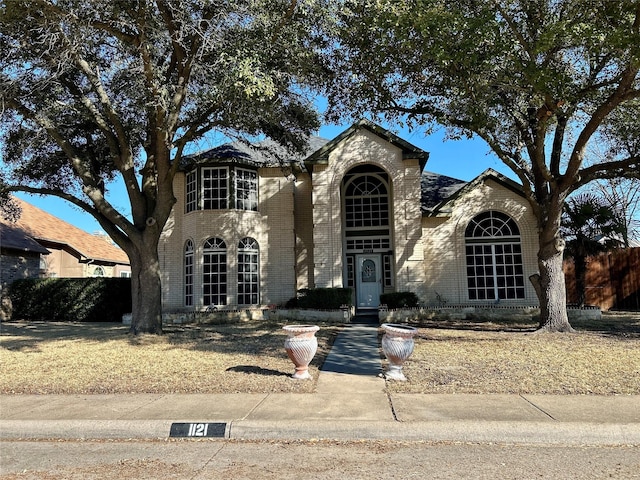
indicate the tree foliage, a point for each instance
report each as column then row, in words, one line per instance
column 537, row 80
column 623, row 195
column 96, row 90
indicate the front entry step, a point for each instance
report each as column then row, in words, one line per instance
column 366, row 318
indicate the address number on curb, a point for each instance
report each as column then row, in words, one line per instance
column 198, row 430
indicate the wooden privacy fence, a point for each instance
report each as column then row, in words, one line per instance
column 613, row 280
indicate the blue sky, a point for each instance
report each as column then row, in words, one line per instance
column 462, row 159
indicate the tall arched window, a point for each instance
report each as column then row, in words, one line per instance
column 366, row 202
column 248, row 272
column 494, row 257
column 214, row 275
column 188, row 273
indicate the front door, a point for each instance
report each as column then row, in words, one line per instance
column 368, row 281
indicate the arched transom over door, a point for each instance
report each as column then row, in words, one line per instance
column 367, row 219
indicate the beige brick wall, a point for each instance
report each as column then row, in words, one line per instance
column 444, row 252
column 303, row 218
column 366, row 147
column 299, row 230
column 271, row 226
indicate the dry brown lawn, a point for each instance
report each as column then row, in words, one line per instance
column 489, row 358
column 103, row 358
column 450, row 357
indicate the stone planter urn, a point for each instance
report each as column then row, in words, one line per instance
column 301, row 345
column 397, row 345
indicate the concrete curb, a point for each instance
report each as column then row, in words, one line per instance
column 575, row 434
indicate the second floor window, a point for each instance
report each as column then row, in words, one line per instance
column 246, row 190
column 215, row 188
column 220, row 188
column 191, row 200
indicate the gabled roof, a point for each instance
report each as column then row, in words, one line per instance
column 50, row 230
column 409, row 151
column 440, row 208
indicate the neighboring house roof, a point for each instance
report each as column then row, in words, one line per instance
column 409, row 151
column 49, row 229
column 443, row 207
column 15, row 238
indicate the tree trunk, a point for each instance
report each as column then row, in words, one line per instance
column 550, row 286
column 146, row 290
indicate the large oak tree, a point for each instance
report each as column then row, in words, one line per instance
column 538, row 80
column 94, row 90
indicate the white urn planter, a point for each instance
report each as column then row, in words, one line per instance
column 397, row 345
column 301, row 345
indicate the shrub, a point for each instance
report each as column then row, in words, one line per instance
column 321, row 298
column 400, row 299
column 71, row 299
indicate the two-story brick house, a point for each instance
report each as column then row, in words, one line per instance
column 358, row 211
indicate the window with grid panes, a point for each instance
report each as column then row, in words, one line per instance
column 214, row 272
column 366, row 202
column 215, row 188
column 493, row 249
column 246, row 190
column 191, row 191
column 188, row 273
column 248, row 272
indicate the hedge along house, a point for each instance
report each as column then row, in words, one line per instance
column 359, row 211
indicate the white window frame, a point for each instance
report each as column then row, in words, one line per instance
column 214, row 190
column 494, row 258
column 191, row 191
column 246, row 189
column 248, row 272
column 189, row 273
column 214, row 272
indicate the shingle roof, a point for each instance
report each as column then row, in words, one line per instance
column 45, row 227
column 15, row 238
column 442, row 206
column 436, row 188
column 261, row 154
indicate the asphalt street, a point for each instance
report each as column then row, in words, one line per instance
column 340, row 460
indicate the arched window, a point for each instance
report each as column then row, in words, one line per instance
column 366, row 202
column 494, row 257
column 248, row 272
column 366, row 192
column 98, row 272
column 188, row 273
column 214, row 273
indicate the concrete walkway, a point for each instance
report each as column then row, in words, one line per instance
column 350, row 403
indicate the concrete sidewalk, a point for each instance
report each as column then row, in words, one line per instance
column 370, row 415
column 347, row 406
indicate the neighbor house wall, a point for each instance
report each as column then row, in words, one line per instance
column 63, row 264
column 444, row 252
column 15, row 265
